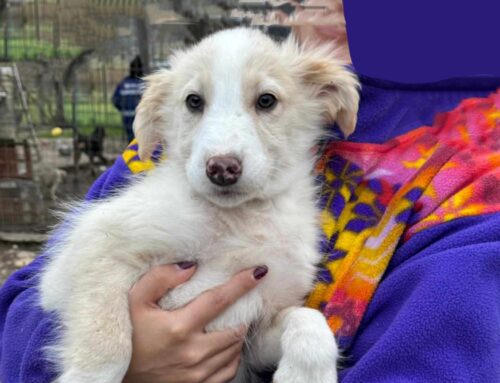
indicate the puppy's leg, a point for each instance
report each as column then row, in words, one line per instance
column 302, row 345
column 103, row 159
column 91, row 162
column 97, row 338
column 55, row 185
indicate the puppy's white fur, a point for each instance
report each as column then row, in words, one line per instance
column 174, row 213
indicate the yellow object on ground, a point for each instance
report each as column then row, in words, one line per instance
column 56, row 132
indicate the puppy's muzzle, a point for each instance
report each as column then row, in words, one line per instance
column 223, row 170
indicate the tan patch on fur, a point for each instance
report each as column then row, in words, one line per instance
column 148, row 120
column 329, row 80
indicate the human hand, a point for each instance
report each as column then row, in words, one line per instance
column 172, row 346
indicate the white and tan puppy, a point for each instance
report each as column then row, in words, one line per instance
column 238, row 115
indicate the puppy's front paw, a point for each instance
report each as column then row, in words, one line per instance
column 112, row 373
column 289, row 373
column 309, row 349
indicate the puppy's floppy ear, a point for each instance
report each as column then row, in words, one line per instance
column 149, row 118
column 330, row 81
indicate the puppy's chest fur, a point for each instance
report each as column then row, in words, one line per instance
column 158, row 220
column 256, row 235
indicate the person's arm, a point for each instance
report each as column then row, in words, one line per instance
column 436, row 315
column 25, row 330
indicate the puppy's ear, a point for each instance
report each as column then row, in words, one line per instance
column 331, row 82
column 149, row 118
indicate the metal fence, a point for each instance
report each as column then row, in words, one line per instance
column 70, row 55
column 70, row 61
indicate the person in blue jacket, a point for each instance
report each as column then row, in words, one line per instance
column 128, row 94
column 434, row 315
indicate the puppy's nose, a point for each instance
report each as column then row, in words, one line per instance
column 223, row 170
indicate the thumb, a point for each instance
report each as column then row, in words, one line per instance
column 153, row 285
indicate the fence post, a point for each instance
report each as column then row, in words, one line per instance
column 6, row 32
column 56, row 35
column 104, row 80
column 141, row 26
column 76, row 151
column 37, row 20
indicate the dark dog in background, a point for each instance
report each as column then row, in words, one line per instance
column 93, row 146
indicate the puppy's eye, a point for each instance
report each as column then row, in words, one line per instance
column 194, row 103
column 266, row 101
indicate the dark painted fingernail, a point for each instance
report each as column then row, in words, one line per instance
column 186, row 265
column 260, row 272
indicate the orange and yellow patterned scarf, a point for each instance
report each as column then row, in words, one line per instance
column 375, row 196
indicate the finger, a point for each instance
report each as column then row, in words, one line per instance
column 200, row 312
column 155, row 283
column 227, row 373
column 211, row 366
column 215, row 342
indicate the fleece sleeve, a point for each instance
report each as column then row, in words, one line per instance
column 24, row 329
column 435, row 317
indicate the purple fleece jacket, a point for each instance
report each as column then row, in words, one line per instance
column 449, row 271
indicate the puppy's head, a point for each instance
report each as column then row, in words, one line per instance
column 240, row 112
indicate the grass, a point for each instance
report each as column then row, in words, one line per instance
column 91, row 110
column 93, row 113
column 31, row 49
column 88, row 116
column 111, row 131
